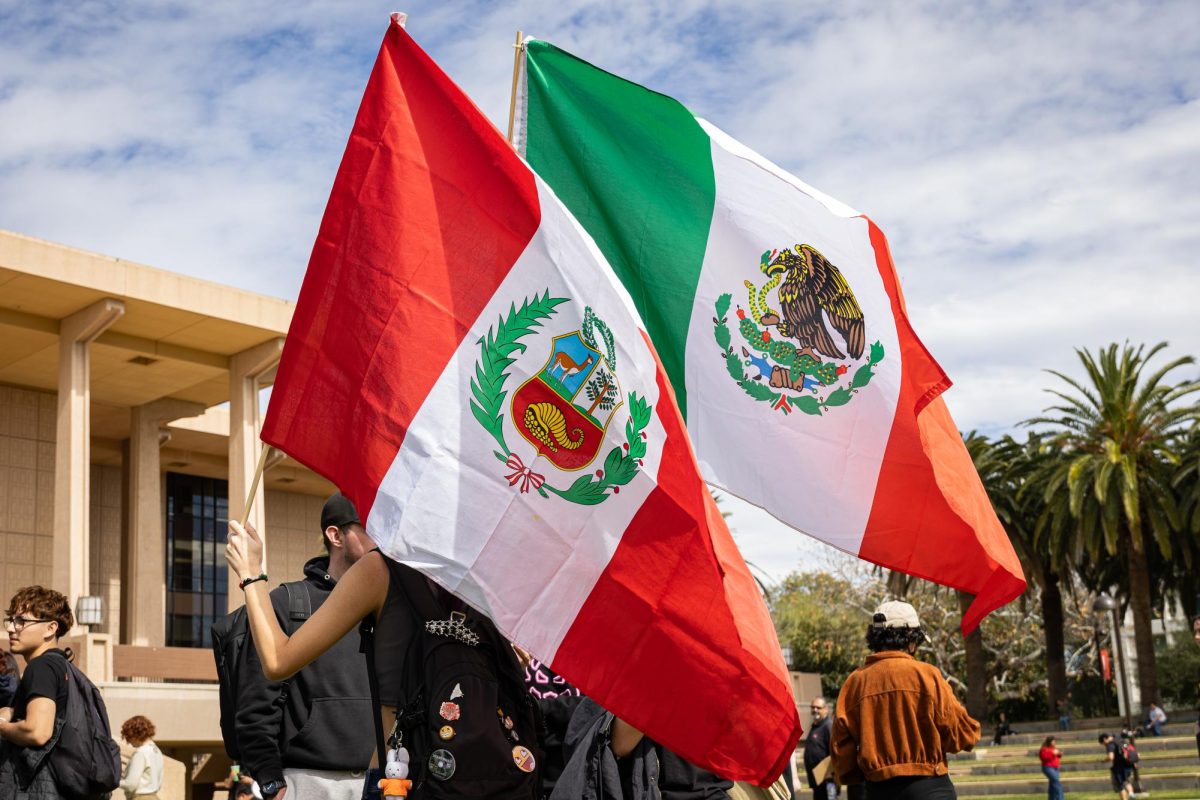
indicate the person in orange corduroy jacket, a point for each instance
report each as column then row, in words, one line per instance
column 897, row 718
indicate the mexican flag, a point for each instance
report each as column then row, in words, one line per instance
column 466, row 367
column 778, row 316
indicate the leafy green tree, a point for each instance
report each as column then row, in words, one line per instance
column 1180, row 666
column 823, row 619
column 1117, row 431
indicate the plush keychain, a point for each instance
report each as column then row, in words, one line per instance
column 395, row 782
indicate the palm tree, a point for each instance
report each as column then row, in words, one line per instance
column 1187, row 486
column 1009, row 471
column 1117, row 433
column 976, row 664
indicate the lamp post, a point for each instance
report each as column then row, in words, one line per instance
column 1100, row 659
column 1106, row 603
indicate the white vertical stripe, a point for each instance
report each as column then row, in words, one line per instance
column 815, row 473
column 444, row 506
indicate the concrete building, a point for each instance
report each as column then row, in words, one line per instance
column 129, row 418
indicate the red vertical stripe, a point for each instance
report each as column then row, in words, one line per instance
column 699, row 658
column 429, row 210
column 931, row 516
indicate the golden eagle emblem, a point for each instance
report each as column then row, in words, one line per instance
column 811, row 355
column 812, row 285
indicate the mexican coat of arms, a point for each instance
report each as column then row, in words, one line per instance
column 798, row 356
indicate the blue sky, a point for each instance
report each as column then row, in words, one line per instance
column 1035, row 165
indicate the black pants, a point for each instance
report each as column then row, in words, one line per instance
column 912, row 788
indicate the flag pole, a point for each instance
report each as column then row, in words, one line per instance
column 512, row 102
column 258, row 472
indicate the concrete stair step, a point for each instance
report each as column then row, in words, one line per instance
column 1153, row 744
column 1183, row 762
column 1027, row 735
column 1150, row 783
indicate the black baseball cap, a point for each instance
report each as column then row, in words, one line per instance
column 338, row 512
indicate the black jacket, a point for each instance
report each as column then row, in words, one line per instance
column 816, row 748
column 320, row 718
column 592, row 772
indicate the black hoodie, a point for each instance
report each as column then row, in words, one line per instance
column 320, row 718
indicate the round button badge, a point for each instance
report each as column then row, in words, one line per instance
column 523, row 759
column 442, row 764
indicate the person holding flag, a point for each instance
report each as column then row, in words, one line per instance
column 379, row 588
column 502, row 423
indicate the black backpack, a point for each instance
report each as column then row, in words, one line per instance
column 476, row 691
column 85, row 762
column 228, row 639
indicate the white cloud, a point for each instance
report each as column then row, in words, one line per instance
column 1034, row 165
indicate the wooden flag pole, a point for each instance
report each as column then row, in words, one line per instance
column 512, row 102
column 258, row 473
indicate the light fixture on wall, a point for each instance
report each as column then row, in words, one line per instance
column 90, row 610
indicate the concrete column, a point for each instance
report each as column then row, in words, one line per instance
column 245, row 369
column 72, row 478
column 143, row 551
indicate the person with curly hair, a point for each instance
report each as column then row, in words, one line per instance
column 897, row 717
column 144, row 772
column 35, row 619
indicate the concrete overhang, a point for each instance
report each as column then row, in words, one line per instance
column 175, row 338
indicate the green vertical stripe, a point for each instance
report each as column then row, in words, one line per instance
column 635, row 169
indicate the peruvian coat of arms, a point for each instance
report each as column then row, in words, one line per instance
column 800, row 356
column 563, row 410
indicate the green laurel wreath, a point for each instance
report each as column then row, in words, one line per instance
column 764, row 393
column 498, row 351
column 619, row 468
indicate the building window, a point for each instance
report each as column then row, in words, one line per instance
column 197, row 578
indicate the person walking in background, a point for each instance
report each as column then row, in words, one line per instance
column 816, row 751
column 1051, row 758
column 144, row 772
column 1119, row 769
column 897, row 718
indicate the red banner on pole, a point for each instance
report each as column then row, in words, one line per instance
column 1105, row 664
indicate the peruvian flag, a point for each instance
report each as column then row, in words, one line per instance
column 464, row 364
column 778, row 315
